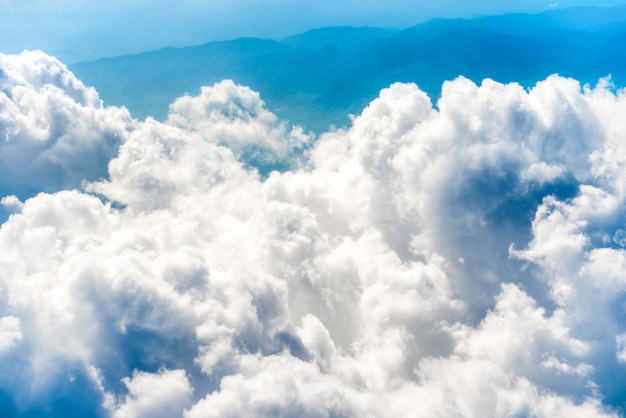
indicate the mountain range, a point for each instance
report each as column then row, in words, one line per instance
column 317, row 78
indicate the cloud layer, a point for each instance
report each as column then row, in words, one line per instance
column 459, row 260
column 54, row 131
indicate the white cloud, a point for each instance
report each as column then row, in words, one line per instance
column 156, row 395
column 11, row 202
column 10, row 332
column 54, row 131
column 280, row 386
column 236, row 117
column 375, row 278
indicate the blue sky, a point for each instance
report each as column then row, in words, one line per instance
column 75, row 30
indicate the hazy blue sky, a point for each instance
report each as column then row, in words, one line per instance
column 89, row 29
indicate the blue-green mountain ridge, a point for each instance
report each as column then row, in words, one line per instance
column 317, row 78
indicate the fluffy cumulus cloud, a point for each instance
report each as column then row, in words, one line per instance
column 236, row 117
column 464, row 259
column 160, row 395
column 54, row 131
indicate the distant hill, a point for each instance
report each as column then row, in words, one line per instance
column 341, row 37
column 319, row 77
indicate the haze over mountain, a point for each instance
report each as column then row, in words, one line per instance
column 76, row 31
column 319, row 77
